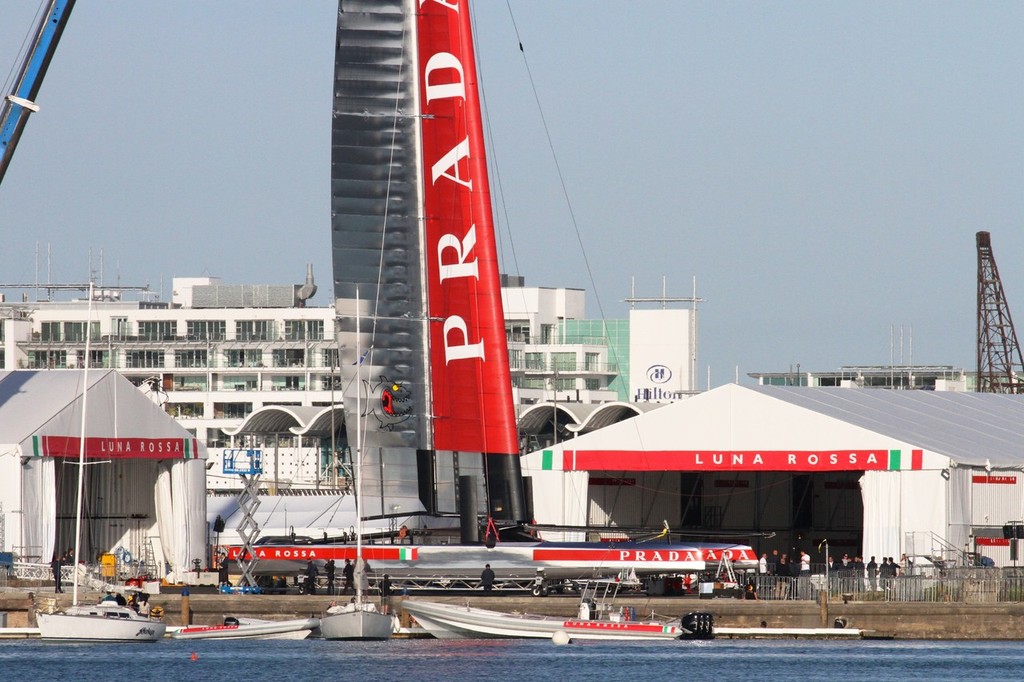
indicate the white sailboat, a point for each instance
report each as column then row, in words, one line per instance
column 359, row 619
column 106, row 621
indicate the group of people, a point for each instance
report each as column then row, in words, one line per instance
column 347, row 575
column 137, row 601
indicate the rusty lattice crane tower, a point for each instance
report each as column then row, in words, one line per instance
column 1000, row 364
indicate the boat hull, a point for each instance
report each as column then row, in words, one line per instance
column 357, row 624
column 298, row 628
column 99, row 623
column 449, row 621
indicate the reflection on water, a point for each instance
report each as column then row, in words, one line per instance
column 512, row 660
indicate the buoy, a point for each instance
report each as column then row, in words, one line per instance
column 194, row 656
column 560, row 637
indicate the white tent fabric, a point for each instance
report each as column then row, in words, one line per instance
column 129, row 438
column 165, row 516
column 880, row 491
column 39, row 508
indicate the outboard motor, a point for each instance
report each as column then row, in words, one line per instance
column 698, row 625
column 230, row 620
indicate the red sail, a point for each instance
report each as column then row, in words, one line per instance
column 471, row 386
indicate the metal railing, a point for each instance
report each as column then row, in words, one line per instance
column 967, row 585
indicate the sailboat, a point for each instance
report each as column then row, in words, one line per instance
column 106, row 621
column 359, row 619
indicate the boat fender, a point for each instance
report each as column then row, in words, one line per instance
column 839, row 623
column 156, row 612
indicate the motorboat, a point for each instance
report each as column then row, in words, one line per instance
column 250, row 628
column 103, row 622
column 597, row 618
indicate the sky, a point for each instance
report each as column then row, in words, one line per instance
column 819, row 169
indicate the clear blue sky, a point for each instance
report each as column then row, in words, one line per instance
column 820, row 168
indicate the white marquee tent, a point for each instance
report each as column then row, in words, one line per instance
column 145, row 488
column 933, row 469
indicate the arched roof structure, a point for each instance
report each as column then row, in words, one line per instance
column 298, row 420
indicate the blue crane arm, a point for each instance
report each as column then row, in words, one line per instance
column 16, row 106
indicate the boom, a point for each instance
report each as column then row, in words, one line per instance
column 16, row 107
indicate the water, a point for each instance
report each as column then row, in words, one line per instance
column 512, row 660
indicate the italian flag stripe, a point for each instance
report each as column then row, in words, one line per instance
column 547, row 461
column 894, row 460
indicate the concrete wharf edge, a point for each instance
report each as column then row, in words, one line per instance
column 915, row 620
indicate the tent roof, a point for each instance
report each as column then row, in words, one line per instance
column 49, row 403
column 974, row 429
column 969, row 428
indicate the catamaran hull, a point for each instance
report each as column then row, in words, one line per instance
column 449, row 621
column 298, row 628
column 558, row 560
column 99, row 624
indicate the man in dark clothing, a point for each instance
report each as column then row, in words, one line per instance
column 347, row 573
column 329, row 570
column 385, row 595
column 222, row 571
column 55, row 565
column 311, row 574
column 873, row 574
column 487, row 578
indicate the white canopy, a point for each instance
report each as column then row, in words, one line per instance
column 130, row 445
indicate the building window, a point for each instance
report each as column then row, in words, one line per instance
column 49, row 331
column 254, row 330
column 289, row 357
column 534, row 361
column 547, row 333
column 158, row 330
column 331, row 358
column 315, row 330
column 240, row 357
column 517, row 331
column 592, row 384
column 206, row 330
column 48, row 359
column 119, row 327
column 593, row 362
column 563, row 362
column 144, row 358
column 288, row 383
column 190, row 358
column 294, row 330
column 515, row 358
column 231, row 410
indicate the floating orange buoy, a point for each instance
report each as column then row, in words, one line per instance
column 194, row 656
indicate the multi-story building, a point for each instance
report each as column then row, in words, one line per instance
column 216, row 353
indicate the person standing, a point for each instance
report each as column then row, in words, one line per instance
column 55, row 565
column 873, row 574
column 487, row 578
column 348, row 572
column 385, row 594
column 222, row 571
column 762, row 565
column 329, row 571
column 311, row 574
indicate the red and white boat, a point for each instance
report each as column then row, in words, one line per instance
column 597, row 619
column 250, row 628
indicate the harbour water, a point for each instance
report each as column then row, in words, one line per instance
column 509, row 660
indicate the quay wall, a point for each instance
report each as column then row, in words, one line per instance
column 914, row 620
